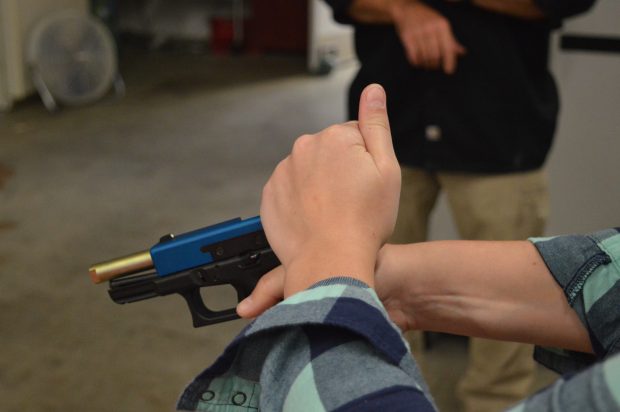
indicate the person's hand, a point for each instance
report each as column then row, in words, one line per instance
column 426, row 36
column 393, row 285
column 330, row 205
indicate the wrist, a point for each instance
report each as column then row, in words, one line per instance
column 322, row 260
column 405, row 284
column 395, row 8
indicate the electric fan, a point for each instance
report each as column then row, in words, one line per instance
column 73, row 59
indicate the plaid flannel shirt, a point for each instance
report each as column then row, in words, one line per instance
column 332, row 347
column 587, row 267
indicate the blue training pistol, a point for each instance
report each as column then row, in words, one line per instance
column 234, row 252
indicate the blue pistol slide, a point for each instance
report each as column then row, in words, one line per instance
column 234, row 252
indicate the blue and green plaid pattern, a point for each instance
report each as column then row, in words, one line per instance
column 329, row 348
column 587, row 267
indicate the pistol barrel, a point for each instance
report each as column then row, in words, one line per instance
column 125, row 265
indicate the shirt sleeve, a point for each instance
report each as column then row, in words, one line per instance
column 597, row 389
column 331, row 347
column 587, row 267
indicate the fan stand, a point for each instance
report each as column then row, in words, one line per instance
column 48, row 99
column 46, row 96
column 53, row 74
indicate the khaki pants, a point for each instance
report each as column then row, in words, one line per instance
column 484, row 207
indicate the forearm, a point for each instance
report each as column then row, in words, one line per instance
column 375, row 11
column 499, row 290
column 382, row 11
column 523, row 9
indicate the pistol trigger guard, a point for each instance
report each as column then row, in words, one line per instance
column 201, row 314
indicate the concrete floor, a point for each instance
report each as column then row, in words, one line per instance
column 191, row 144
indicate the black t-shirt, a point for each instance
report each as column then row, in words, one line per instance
column 497, row 113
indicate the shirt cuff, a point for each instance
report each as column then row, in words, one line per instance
column 587, row 267
column 339, row 304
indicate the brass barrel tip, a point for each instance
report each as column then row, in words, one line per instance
column 92, row 271
column 95, row 275
column 122, row 266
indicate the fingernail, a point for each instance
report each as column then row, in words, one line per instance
column 376, row 97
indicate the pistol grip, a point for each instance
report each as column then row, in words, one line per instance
column 242, row 273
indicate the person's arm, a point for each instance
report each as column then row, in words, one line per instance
column 559, row 292
column 426, row 35
column 385, row 11
column 524, row 9
column 499, row 290
column 373, row 11
column 554, row 10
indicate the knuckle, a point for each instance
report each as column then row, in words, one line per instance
column 377, row 123
column 335, row 133
column 263, row 282
column 301, row 143
column 280, row 166
column 270, row 281
column 270, row 284
column 430, row 28
column 334, row 130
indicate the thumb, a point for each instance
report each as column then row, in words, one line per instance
column 268, row 291
column 374, row 124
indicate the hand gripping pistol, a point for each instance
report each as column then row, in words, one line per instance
column 234, row 252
